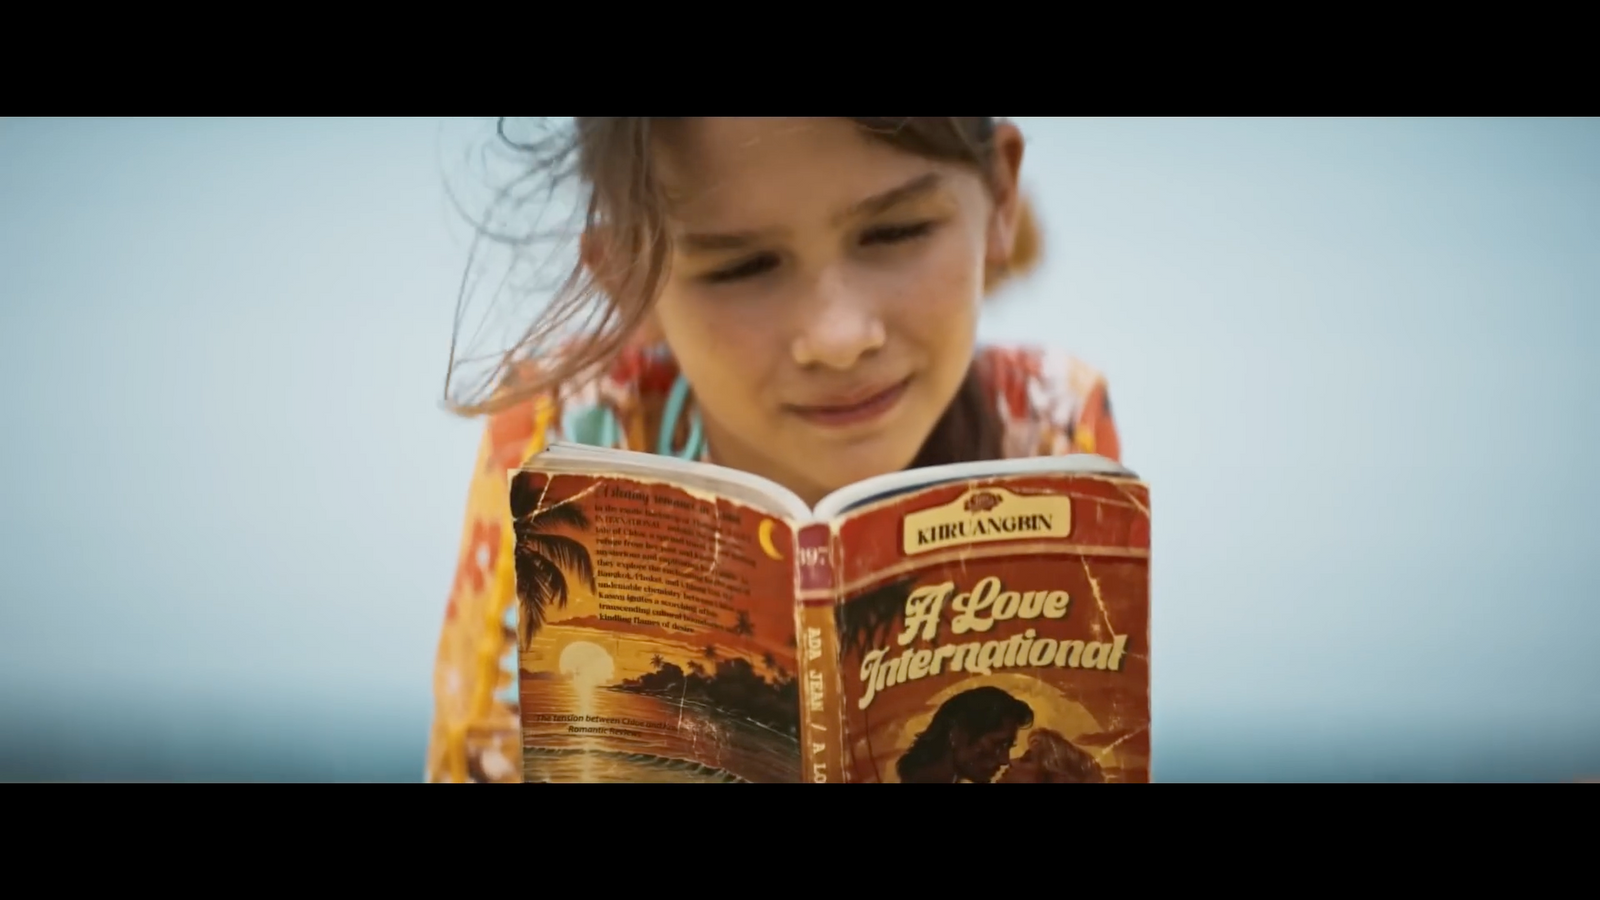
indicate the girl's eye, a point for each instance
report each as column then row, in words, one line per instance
column 895, row 234
column 766, row 262
column 749, row 268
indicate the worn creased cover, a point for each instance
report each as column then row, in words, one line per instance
column 981, row 631
column 656, row 634
column 997, row 631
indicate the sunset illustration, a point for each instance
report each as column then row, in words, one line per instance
column 600, row 706
column 569, row 648
column 588, row 665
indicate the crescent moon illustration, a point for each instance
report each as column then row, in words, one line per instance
column 764, row 536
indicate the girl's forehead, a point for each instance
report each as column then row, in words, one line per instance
column 703, row 148
column 773, row 169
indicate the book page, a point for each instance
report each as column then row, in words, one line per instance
column 886, row 487
column 998, row 631
column 656, row 634
column 731, row 483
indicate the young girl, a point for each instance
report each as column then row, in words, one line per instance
column 797, row 298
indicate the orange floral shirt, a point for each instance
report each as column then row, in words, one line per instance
column 1050, row 403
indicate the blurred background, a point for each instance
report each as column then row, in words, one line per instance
column 1355, row 359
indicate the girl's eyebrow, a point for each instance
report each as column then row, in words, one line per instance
column 877, row 203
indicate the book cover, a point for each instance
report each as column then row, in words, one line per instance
column 997, row 631
column 975, row 629
column 656, row 634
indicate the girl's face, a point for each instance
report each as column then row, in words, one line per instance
column 823, row 294
column 1024, row 770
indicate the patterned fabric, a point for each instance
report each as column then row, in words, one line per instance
column 1050, row 403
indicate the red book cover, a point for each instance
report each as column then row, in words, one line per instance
column 997, row 630
column 682, row 623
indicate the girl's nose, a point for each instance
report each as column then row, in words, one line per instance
column 840, row 326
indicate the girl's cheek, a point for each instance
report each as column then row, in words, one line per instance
column 695, row 319
column 747, row 325
column 738, row 328
column 942, row 287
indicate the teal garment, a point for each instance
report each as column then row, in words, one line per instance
column 597, row 426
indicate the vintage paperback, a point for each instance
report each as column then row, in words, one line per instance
column 683, row 622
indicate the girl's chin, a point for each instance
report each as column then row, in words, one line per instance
column 852, row 467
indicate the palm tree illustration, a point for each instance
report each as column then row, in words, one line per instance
column 743, row 627
column 657, row 662
column 545, row 561
column 866, row 622
column 779, row 673
column 709, row 653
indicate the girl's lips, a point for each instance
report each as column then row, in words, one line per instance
column 865, row 410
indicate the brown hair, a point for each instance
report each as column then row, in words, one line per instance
column 1062, row 759
column 608, row 160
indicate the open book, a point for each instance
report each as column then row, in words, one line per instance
column 679, row 621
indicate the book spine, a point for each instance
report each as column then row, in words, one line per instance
column 822, row 739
